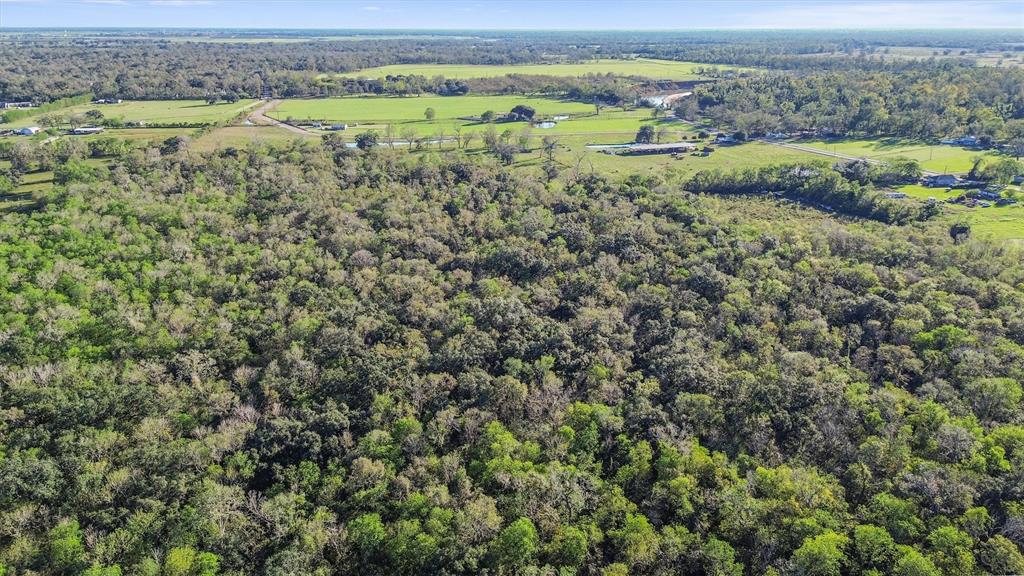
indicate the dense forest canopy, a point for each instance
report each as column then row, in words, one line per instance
column 338, row 356
column 162, row 64
column 316, row 360
column 922, row 102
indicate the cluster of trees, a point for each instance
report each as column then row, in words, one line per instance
column 846, row 188
column 939, row 100
column 26, row 156
column 321, row 360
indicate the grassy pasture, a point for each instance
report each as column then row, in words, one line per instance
column 996, row 222
column 612, row 125
column 398, row 110
column 242, row 136
column 645, row 67
column 153, row 111
column 935, row 157
column 572, row 150
column 138, row 135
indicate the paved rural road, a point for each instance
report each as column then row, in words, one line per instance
column 259, row 116
column 831, row 154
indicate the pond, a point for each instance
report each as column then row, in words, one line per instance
column 546, row 124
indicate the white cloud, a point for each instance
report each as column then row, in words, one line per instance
column 179, row 2
column 873, row 14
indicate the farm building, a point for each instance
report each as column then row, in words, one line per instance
column 17, row 105
column 83, row 130
column 962, row 141
column 940, row 180
column 336, row 127
column 27, row 131
column 107, row 101
column 669, row 148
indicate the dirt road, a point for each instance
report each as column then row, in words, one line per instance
column 259, row 116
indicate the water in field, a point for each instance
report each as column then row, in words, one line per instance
column 546, row 124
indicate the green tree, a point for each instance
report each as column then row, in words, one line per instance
column 187, row 561
column 636, row 541
column 821, row 555
column 368, row 534
column 67, row 553
column 951, row 551
column 568, row 547
column 1001, row 556
column 718, row 558
column 366, row 140
column 645, row 135
column 515, row 547
column 874, row 548
column 913, row 563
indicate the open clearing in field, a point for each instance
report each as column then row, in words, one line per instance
column 152, row 112
column 934, row 157
column 243, row 136
column 995, row 222
column 643, row 67
column 751, row 154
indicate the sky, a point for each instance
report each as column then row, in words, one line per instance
column 513, row 14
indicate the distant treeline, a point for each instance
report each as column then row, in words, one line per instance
column 937, row 100
column 112, row 65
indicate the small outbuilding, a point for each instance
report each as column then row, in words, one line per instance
column 27, row 131
column 668, row 148
column 86, row 130
column 941, row 180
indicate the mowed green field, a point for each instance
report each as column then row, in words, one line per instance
column 933, row 157
column 396, row 110
column 645, row 67
column 407, row 114
column 152, row 111
column 996, row 222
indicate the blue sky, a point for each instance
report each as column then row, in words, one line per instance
column 515, row 14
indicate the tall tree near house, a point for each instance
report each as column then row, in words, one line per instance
column 645, row 135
